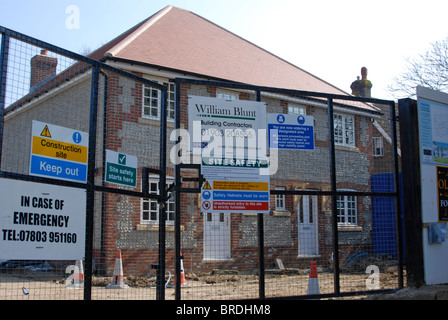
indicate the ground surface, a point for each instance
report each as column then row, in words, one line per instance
column 52, row 286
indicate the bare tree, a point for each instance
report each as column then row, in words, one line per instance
column 429, row 70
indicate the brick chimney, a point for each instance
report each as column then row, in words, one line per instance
column 42, row 67
column 362, row 87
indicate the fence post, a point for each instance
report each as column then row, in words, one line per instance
column 333, row 195
column 160, row 295
column 409, row 135
column 177, row 220
column 91, row 184
column 3, row 74
column 261, row 266
column 398, row 202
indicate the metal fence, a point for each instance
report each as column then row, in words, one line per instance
column 67, row 121
column 139, row 231
column 334, row 206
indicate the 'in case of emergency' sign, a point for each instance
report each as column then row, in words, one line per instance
column 41, row 222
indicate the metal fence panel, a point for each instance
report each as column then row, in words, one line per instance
column 75, row 123
column 334, row 206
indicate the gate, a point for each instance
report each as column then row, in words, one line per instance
column 80, row 132
column 68, row 127
column 322, row 200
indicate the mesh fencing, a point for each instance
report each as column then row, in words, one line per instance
column 48, row 92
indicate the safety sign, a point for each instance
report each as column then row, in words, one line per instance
column 232, row 148
column 121, row 169
column 291, row 132
column 41, row 221
column 58, row 152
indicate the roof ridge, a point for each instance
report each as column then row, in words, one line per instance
column 144, row 25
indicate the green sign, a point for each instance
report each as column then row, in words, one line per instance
column 121, row 169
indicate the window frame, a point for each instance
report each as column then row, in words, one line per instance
column 344, row 135
column 296, row 109
column 153, row 207
column 227, row 94
column 378, row 146
column 349, row 216
column 280, row 200
column 155, row 94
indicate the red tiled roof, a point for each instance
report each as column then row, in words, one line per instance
column 179, row 39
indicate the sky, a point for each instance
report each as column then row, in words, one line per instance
column 330, row 39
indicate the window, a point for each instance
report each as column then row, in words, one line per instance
column 344, row 130
column 294, row 109
column 150, row 208
column 152, row 102
column 280, row 200
column 227, row 95
column 378, row 149
column 347, row 210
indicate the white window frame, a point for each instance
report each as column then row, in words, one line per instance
column 378, row 146
column 344, row 130
column 226, row 94
column 149, row 209
column 280, row 200
column 296, row 109
column 152, row 101
column 347, row 210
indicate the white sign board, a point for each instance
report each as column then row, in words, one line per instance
column 41, row 222
column 58, row 152
column 433, row 131
column 230, row 136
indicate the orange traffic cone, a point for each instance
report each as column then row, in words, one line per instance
column 118, row 279
column 313, row 282
column 78, row 276
column 183, row 281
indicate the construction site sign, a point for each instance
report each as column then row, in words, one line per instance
column 230, row 137
column 59, row 152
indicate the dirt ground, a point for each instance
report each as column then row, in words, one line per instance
column 50, row 286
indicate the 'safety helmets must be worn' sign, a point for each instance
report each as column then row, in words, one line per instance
column 59, row 152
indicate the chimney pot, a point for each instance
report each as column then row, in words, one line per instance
column 362, row 88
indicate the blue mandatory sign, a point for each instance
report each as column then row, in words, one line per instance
column 301, row 120
column 206, row 195
column 77, row 138
column 281, row 118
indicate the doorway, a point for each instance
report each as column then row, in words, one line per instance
column 308, row 226
column 217, row 236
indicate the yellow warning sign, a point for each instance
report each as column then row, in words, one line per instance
column 207, row 186
column 58, row 149
column 241, row 186
column 46, row 132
